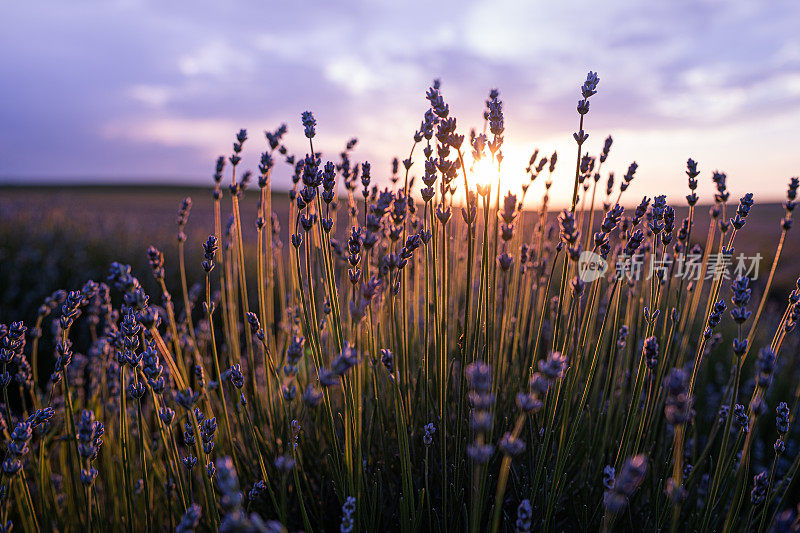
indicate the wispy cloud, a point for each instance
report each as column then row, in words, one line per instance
column 141, row 88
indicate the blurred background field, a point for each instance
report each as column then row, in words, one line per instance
column 57, row 237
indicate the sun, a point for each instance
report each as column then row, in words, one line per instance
column 483, row 172
column 509, row 176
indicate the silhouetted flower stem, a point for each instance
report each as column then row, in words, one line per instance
column 208, row 306
column 764, row 295
column 503, row 478
column 242, row 278
column 187, row 308
column 176, row 343
column 143, row 459
column 127, row 485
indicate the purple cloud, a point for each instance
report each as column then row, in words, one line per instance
column 153, row 91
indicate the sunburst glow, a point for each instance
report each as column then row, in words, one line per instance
column 509, row 176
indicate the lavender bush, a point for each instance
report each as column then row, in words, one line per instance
column 429, row 356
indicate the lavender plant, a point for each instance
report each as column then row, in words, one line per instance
column 386, row 364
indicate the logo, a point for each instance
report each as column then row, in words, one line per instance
column 591, row 266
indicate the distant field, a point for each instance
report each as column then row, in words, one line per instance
column 57, row 237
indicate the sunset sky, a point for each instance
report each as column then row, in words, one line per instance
column 138, row 91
